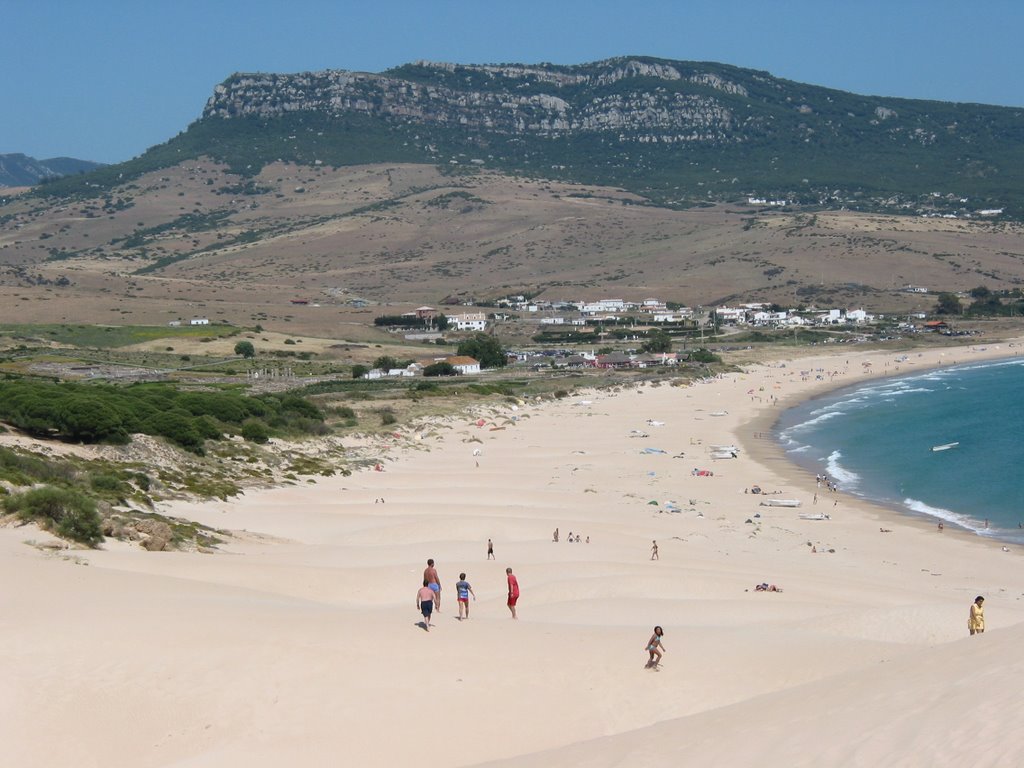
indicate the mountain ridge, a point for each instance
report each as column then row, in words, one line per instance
column 677, row 133
column 20, row 170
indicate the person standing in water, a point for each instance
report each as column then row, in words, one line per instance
column 976, row 619
column 655, row 648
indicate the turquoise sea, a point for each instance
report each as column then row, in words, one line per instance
column 875, row 440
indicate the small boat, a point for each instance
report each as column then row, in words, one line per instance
column 723, row 454
column 729, row 448
column 944, row 446
column 781, row 503
column 820, row 516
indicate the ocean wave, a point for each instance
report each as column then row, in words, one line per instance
column 964, row 521
column 846, row 479
column 815, row 421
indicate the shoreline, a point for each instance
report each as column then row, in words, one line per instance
column 760, row 436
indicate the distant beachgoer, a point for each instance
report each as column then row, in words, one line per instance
column 434, row 582
column 976, row 620
column 655, row 648
column 425, row 602
column 941, row 527
column 463, row 590
column 513, row 592
column 654, row 550
column 588, row 539
column 490, row 550
column 555, row 538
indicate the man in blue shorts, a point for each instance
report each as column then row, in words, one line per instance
column 434, row 582
column 425, row 602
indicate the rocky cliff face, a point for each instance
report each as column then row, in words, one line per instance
column 514, row 99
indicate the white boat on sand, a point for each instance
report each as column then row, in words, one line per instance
column 781, row 503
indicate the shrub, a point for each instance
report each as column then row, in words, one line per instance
column 255, row 432
column 441, row 368
column 387, row 416
column 65, row 512
column 108, row 483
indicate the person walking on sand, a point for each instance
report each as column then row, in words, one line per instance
column 425, row 602
column 434, row 582
column 655, row 648
column 513, row 592
column 463, row 590
column 654, row 550
column 976, row 619
column 490, row 550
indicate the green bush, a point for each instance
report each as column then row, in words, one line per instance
column 106, row 483
column 255, row 432
column 65, row 512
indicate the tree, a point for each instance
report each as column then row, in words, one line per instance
column 441, row 368
column 485, row 349
column 245, row 349
column 385, row 363
column 442, row 322
column 948, row 304
column 358, row 371
column 657, row 341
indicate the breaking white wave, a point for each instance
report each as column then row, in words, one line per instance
column 844, row 478
column 920, row 507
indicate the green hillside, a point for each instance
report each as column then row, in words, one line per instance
column 688, row 134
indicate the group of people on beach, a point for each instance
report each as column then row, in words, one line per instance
column 570, row 538
column 428, row 597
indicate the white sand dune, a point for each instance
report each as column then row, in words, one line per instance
column 299, row 643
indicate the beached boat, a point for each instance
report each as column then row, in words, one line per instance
column 781, row 503
column 944, row 446
column 820, row 516
column 723, row 454
column 729, row 448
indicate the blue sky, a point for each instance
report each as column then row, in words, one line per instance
column 105, row 79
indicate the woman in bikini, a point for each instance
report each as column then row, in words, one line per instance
column 655, row 648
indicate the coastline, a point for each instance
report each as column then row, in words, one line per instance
column 760, row 435
column 299, row 641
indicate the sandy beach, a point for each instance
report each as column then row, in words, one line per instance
column 300, row 641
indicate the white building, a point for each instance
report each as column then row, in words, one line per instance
column 468, row 321
column 199, row 321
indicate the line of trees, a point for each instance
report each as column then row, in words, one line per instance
column 106, row 414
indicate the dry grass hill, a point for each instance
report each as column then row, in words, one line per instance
column 368, row 240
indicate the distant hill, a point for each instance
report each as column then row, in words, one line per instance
column 17, row 170
column 678, row 133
